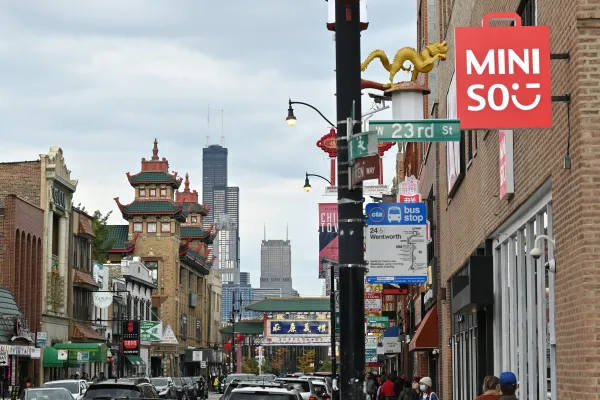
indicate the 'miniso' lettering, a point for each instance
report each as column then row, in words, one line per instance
column 498, row 58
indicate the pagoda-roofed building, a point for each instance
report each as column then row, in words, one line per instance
column 164, row 229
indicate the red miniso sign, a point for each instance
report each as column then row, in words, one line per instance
column 503, row 75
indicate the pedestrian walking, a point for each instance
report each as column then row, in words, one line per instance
column 425, row 385
column 491, row 388
column 508, row 386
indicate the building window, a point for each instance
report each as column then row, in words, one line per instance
column 165, row 227
column 75, row 251
column 151, row 227
column 194, row 220
column 524, row 307
column 154, row 316
column 81, row 304
column 163, row 192
column 152, row 192
column 137, row 227
column 153, row 269
column 142, row 192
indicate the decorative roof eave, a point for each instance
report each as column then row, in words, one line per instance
column 203, row 210
column 174, row 182
column 184, row 248
column 127, row 250
column 199, row 266
column 178, row 214
column 213, row 235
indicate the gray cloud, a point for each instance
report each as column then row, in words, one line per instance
column 103, row 79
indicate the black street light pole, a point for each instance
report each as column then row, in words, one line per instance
column 233, row 312
column 350, row 202
column 291, row 118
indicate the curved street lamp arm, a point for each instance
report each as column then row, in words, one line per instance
column 319, row 176
column 320, row 113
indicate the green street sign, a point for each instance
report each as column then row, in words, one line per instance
column 425, row 130
column 362, row 144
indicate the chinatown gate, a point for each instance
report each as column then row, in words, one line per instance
column 292, row 326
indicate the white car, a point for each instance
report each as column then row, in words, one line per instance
column 77, row 387
column 264, row 393
column 303, row 386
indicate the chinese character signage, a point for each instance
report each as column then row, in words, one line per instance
column 328, row 234
column 131, row 338
column 151, row 331
column 299, row 328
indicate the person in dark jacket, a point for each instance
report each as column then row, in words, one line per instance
column 407, row 392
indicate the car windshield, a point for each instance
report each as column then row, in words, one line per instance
column 102, row 392
column 178, row 381
column 262, row 396
column 232, row 377
column 301, row 386
column 48, row 394
column 160, row 381
column 72, row 387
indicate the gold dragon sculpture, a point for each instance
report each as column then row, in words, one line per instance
column 423, row 62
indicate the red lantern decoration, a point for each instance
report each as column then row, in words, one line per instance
column 239, row 337
column 227, row 347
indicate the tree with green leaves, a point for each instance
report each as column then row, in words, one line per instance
column 250, row 366
column 326, row 367
column 103, row 242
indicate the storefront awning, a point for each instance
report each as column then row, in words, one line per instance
column 51, row 358
column 135, row 360
column 96, row 352
column 426, row 337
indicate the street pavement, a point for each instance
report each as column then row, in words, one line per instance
column 213, row 396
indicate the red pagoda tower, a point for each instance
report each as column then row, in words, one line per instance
column 165, row 231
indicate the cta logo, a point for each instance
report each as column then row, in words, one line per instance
column 377, row 214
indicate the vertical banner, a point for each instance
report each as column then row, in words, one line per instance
column 328, row 235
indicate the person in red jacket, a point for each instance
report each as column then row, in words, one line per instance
column 387, row 389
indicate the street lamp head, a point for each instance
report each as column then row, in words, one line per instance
column 307, row 186
column 291, row 118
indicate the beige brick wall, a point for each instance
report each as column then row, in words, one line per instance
column 476, row 210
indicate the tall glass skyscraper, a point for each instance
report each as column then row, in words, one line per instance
column 224, row 214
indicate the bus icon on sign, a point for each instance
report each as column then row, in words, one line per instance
column 394, row 214
column 377, row 214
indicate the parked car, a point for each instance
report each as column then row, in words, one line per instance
column 322, row 390
column 57, row 393
column 303, row 386
column 239, row 377
column 265, row 393
column 237, row 384
column 165, row 387
column 184, row 392
column 109, row 390
column 77, row 387
column 135, row 380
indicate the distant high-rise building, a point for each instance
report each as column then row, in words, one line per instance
column 224, row 212
column 244, row 278
column 231, row 293
column 262, row 293
column 276, row 265
column 214, row 174
column 295, row 293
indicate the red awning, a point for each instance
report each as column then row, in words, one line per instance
column 426, row 337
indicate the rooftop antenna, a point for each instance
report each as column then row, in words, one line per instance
column 287, row 226
column 208, row 126
column 222, row 131
column 265, row 232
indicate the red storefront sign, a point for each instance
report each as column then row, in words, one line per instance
column 503, row 75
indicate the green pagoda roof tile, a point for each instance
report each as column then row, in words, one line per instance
column 118, row 237
column 189, row 207
column 10, row 310
column 245, row 328
column 192, row 259
column 193, row 231
column 295, row 304
column 154, row 178
column 151, row 207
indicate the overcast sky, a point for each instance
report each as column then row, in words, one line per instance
column 103, row 78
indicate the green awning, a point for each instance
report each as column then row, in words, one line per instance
column 96, row 352
column 135, row 360
column 51, row 358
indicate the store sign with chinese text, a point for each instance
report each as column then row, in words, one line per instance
column 131, row 338
column 503, row 75
column 299, row 328
column 296, row 341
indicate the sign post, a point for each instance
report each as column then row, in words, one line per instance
column 426, row 130
column 396, row 243
column 503, row 75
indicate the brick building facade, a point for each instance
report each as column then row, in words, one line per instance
column 165, row 230
column 527, row 319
